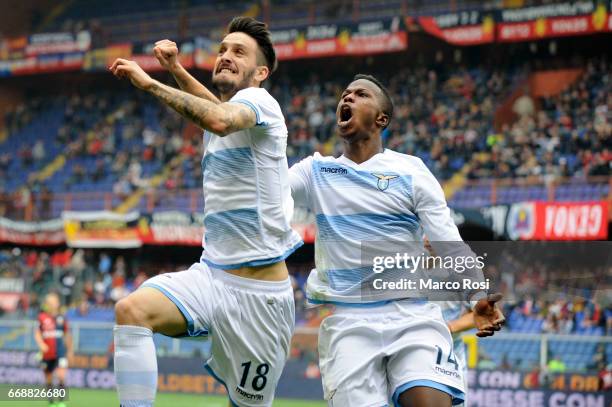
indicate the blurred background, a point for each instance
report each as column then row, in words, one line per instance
column 508, row 103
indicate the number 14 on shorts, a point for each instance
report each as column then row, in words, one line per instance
column 450, row 359
column 259, row 379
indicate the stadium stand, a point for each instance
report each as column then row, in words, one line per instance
column 444, row 117
column 104, row 143
column 118, row 21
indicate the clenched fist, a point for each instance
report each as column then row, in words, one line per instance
column 166, row 52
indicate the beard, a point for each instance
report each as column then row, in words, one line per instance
column 228, row 87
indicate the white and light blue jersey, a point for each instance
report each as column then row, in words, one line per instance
column 391, row 197
column 247, row 197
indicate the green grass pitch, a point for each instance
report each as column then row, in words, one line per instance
column 107, row 398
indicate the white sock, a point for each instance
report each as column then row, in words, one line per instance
column 135, row 366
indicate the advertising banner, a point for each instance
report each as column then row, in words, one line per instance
column 58, row 43
column 540, row 220
column 102, row 58
column 182, row 375
column 43, row 53
column 340, row 39
column 487, row 388
column 464, row 28
column 552, row 221
column 498, row 388
column 171, row 228
column 557, row 221
column 42, row 64
column 552, row 20
column 101, row 229
column 175, row 228
column 45, row 233
column 571, row 221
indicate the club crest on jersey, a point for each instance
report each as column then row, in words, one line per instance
column 383, row 180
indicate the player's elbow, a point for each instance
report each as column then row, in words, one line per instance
column 220, row 127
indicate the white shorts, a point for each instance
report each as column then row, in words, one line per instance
column 250, row 323
column 370, row 355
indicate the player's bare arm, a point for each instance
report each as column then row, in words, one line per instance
column 166, row 52
column 221, row 119
column 42, row 346
column 463, row 323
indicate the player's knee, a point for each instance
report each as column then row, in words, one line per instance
column 128, row 311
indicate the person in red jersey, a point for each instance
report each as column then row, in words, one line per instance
column 55, row 343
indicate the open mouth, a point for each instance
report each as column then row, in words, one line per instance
column 346, row 114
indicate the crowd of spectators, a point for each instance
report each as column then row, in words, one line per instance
column 28, row 156
column 23, row 113
column 571, row 136
column 566, row 315
column 76, row 275
column 103, row 135
column 555, row 288
column 88, row 279
column 126, row 135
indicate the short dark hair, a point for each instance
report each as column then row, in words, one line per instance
column 387, row 102
column 260, row 33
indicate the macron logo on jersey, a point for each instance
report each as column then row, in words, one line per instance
column 334, row 170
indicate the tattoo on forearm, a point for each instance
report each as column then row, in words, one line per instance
column 201, row 111
column 189, row 106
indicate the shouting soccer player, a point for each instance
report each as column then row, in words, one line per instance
column 239, row 293
column 55, row 343
column 374, row 351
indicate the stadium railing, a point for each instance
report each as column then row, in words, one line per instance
column 509, row 190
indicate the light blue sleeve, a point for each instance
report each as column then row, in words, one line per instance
column 266, row 108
